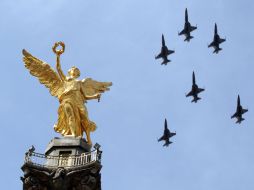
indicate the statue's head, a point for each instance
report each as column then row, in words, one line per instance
column 74, row 72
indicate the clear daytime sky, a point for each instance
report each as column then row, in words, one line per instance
column 116, row 40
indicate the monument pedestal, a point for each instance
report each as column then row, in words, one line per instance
column 68, row 164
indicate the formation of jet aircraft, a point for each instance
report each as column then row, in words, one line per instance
column 195, row 90
column 165, row 52
column 216, row 41
column 166, row 135
column 187, row 28
column 239, row 111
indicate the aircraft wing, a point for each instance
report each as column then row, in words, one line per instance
column 212, row 44
column 190, row 94
column 244, row 111
column 170, row 52
column 200, row 90
column 182, row 32
column 158, row 56
column 222, row 40
column 193, row 28
column 162, row 138
column 235, row 115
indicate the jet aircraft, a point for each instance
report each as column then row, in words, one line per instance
column 164, row 52
column 239, row 111
column 216, row 41
column 195, row 90
column 187, row 28
column 166, row 135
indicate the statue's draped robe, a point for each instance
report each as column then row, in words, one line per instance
column 74, row 96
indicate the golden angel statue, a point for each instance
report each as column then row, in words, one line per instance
column 72, row 93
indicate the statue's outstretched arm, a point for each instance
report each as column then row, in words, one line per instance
column 95, row 96
column 58, row 53
column 59, row 69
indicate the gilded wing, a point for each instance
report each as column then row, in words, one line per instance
column 92, row 87
column 44, row 73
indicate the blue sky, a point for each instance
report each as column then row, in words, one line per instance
column 117, row 41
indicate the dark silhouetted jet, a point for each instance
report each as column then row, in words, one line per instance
column 216, row 41
column 164, row 52
column 187, row 28
column 195, row 90
column 166, row 135
column 239, row 111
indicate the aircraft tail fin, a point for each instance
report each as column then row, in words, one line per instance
column 167, row 143
column 239, row 120
column 217, row 50
column 188, row 38
column 165, row 62
column 196, row 99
